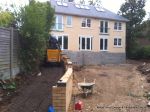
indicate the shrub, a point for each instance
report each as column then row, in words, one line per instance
column 36, row 20
column 146, row 52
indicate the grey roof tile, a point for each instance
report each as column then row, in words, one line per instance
column 71, row 9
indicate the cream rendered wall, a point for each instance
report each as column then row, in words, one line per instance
column 76, row 30
column 120, row 34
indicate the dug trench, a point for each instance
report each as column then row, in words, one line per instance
column 36, row 94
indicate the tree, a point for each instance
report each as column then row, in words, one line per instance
column 145, row 29
column 134, row 11
column 35, row 21
column 6, row 18
column 95, row 2
column 82, row 2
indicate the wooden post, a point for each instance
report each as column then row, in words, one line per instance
column 11, row 51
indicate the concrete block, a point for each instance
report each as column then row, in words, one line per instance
column 95, row 58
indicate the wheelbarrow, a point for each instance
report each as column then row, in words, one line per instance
column 86, row 87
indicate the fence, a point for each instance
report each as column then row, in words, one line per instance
column 62, row 92
column 8, row 53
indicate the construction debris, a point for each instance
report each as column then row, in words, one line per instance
column 39, row 74
column 148, row 104
column 145, row 70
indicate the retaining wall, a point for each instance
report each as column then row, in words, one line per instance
column 62, row 92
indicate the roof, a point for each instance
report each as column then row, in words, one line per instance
column 69, row 8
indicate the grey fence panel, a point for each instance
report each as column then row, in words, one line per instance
column 4, row 53
column 8, row 53
column 15, row 69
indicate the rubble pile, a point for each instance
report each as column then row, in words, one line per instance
column 145, row 70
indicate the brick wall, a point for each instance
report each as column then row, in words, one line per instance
column 62, row 92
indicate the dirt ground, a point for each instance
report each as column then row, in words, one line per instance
column 35, row 95
column 118, row 88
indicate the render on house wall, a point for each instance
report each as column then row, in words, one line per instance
column 113, row 54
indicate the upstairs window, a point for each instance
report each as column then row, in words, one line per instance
column 69, row 20
column 118, row 26
column 117, row 42
column 58, row 23
column 104, row 27
column 86, row 22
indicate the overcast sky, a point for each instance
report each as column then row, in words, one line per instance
column 112, row 5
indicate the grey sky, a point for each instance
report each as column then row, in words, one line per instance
column 112, row 5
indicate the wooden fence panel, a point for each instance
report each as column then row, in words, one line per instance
column 8, row 53
column 15, row 61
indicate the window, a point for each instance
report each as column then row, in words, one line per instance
column 63, row 41
column 86, row 22
column 103, row 44
column 85, row 43
column 69, row 20
column 58, row 23
column 117, row 42
column 118, row 26
column 104, row 27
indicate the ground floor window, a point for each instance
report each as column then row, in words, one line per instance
column 103, row 44
column 117, row 42
column 85, row 43
column 63, row 41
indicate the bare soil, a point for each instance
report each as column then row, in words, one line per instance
column 34, row 95
column 118, row 88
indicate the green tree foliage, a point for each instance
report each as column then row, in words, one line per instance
column 6, row 18
column 134, row 11
column 143, row 51
column 95, row 2
column 82, row 2
column 144, row 29
column 35, row 22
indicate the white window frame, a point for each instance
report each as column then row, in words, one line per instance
column 86, row 22
column 56, row 23
column 103, row 44
column 80, row 44
column 117, row 45
column 104, row 21
column 69, row 25
column 57, row 36
column 117, row 26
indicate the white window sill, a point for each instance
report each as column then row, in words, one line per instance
column 118, row 30
column 118, row 46
column 58, row 30
column 104, row 33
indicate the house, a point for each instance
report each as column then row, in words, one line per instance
column 89, row 35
